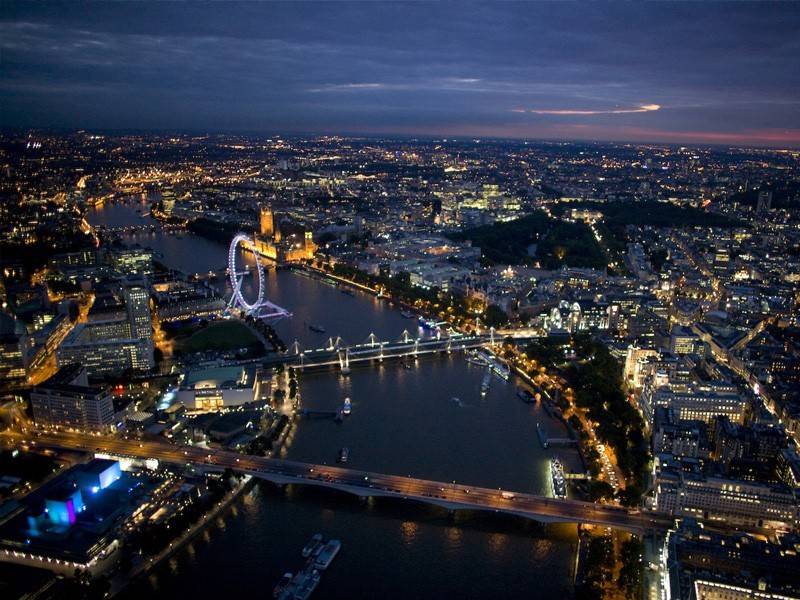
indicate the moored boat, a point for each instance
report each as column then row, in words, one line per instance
column 559, row 481
column 328, row 553
column 526, row 396
column 307, row 585
column 314, row 543
column 281, row 586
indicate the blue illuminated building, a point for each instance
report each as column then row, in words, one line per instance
column 72, row 522
column 63, row 507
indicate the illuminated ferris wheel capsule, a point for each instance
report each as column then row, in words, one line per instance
column 261, row 308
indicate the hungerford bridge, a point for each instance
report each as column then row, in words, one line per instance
column 407, row 347
column 448, row 495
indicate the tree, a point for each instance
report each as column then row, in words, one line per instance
column 495, row 316
column 600, row 490
column 630, row 574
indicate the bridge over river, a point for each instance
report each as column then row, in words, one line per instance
column 334, row 354
column 448, row 495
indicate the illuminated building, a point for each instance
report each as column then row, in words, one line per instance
column 63, row 506
column 137, row 302
column 178, row 301
column 270, row 242
column 696, row 402
column 73, row 522
column 67, row 400
column 113, row 346
column 730, row 501
column 211, row 389
column 684, row 341
column 267, row 222
column 132, row 260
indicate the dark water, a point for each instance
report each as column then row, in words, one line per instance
column 429, row 421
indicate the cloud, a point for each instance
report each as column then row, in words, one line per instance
column 350, row 87
column 643, row 108
column 417, row 67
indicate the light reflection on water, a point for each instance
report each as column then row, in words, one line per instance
column 408, row 530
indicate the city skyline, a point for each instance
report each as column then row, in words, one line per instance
column 400, row 300
column 665, row 73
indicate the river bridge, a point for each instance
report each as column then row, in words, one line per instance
column 335, row 354
column 448, row 495
column 140, row 228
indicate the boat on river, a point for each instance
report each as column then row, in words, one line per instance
column 559, row 481
column 526, row 396
column 328, row 553
column 313, row 545
column 307, row 585
column 282, row 585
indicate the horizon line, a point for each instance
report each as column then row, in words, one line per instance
column 395, row 135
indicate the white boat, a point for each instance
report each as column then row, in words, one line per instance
column 559, row 481
column 347, row 406
column 328, row 553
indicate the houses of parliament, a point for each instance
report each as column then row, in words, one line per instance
column 271, row 243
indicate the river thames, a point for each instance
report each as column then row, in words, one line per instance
column 429, row 421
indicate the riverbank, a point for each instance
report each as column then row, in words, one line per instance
column 322, row 274
column 119, row 583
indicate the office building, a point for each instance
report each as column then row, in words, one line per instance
column 110, row 347
column 66, row 400
column 729, row 501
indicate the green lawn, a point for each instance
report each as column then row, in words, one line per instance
column 223, row 335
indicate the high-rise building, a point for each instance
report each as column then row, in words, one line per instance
column 137, row 302
column 66, row 400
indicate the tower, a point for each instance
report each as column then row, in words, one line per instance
column 267, row 222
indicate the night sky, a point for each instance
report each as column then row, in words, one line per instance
column 684, row 73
